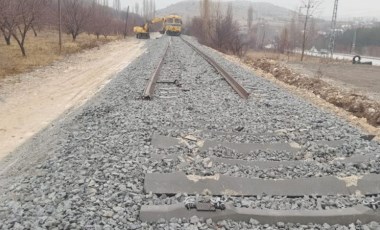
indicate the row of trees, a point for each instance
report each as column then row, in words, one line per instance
column 367, row 41
column 217, row 28
column 301, row 31
column 148, row 10
column 292, row 36
column 19, row 17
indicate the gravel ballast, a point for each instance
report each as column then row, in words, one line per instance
column 92, row 175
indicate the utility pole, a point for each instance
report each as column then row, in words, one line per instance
column 308, row 7
column 60, row 25
column 333, row 29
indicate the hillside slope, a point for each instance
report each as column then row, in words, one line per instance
column 262, row 10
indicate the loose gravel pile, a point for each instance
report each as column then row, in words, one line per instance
column 93, row 176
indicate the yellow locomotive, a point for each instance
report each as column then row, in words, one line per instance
column 172, row 25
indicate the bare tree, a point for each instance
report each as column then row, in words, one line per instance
column 137, row 8
column 98, row 20
column 145, row 9
column 2, row 6
column 7, row 20
column 294, row 32
column 250, row 17
column 284, row 40
column 148, row 9
column 75, row 16
column 218, row 29
column 236, row 43
column 206, row 19
column 117, row 5
column 25, row 14
column 310, row 6
column 262, row 33
column 312, row 31
column 230, row 29
column 126, row 23
column 153, row 8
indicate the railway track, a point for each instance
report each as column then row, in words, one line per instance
column 202, row 189
column 197, row 156
column 239, row 89
column 217, row 196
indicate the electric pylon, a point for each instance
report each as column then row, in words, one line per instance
column 333, row 29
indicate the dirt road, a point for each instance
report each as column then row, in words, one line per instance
column 361, row 78
column 29, row 102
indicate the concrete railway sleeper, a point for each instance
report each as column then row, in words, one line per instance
column 209, row 198
column 217, row 197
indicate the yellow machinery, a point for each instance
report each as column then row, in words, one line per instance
column 172, row 25
column 143, row 31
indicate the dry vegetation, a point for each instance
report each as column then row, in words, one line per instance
column 23, row 46
column 359, row 105
column 218, row 29
column 43, row 50
column 291, row 57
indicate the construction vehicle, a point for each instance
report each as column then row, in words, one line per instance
column 143, row 31
column 172, row 25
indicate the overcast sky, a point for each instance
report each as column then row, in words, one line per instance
column 348, row 9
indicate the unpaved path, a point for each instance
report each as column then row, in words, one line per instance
column 29, row 102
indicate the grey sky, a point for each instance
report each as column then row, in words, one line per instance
column 348, row 9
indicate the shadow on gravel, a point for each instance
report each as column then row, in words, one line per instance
column 359, row 105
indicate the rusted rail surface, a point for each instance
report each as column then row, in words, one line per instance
column 149, row 90
column 231, row 81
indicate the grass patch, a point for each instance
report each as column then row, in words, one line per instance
column 43, row 50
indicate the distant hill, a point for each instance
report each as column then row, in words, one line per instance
column 262, row 11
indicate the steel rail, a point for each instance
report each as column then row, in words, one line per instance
column 231, row 81
column 149, row 90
